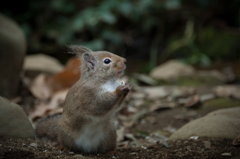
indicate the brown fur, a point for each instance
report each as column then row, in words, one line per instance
column 47, row 128
column 87, row 104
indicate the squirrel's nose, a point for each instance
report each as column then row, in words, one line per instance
column 124, row 61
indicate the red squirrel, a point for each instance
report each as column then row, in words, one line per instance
column 85, row 123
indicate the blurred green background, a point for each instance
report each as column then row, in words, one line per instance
column 198, row 32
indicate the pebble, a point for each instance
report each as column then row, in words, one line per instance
column 70, row 153
column 194, row 137
column 133, row 153
column 33, row 145
column 206, row 97
column 165, row 144
column 80, row 156
column 144, row 147
column 226, row 154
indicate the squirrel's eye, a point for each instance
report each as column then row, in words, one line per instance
column 107, row 61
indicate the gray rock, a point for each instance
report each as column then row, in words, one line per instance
column 13, row 120
column 12, row 51
column 172, row 70
column 224, row 123
column 43, row 63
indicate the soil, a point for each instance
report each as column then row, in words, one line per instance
column 163, row 121
column 202, row 148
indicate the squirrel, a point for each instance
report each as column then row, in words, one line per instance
column 85, row 124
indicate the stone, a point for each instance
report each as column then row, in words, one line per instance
column 12, row 52
column 33, row 145
column 226, row 154
column 13, row 120
column 172, row 70
column 78, row 156
column 228, row 91
column 43, row 63
column 223, row 123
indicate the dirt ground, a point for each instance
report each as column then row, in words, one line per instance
column 138, row 140
column 201, row 148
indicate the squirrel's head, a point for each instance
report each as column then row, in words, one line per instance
column 100, row 64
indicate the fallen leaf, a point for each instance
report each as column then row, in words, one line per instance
column 46, row 108
column 131, row 137
column 123, row 144
column 236, row 141
column 145, row 79
column 120, row 134
column 160, row 105
column 207, row 144
column 194, row 102
column 156, row 137
column 39, row 87
column 155, row 92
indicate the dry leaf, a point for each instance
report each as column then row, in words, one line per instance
column 145, row 78
column 193, row 102
column 120, row 134
column 44, row 109
column 160, row 105
column 39, row 87
column 236, row 141
column 207, row 144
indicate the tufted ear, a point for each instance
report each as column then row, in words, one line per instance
column 78, row 50
column 89, row 58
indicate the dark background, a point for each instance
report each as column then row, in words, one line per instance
column 198, row 32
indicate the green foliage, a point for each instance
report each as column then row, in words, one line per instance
column 170, row 28
column 217, row 43
column 208, row 43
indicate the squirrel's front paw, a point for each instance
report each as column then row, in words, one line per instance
column 124, row 89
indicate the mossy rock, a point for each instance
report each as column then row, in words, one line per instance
column 196, row 81
column 223, row 123
column 218, row 103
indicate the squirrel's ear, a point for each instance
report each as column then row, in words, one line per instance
column 78, row 50
column 88, row 57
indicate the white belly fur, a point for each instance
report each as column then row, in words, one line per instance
column 90, row 139
column 94, row 133
column 110, row 86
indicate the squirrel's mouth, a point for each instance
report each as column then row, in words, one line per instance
column 120, row 73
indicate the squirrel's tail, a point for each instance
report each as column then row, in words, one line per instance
column 47, row 129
